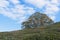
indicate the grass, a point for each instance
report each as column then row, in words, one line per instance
column 51, row 32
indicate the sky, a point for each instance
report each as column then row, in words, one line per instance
column 14, row 12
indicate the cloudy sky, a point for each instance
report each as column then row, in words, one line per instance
column 14, row 12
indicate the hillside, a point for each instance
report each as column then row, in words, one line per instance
column 51, row 32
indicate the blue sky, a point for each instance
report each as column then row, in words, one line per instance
column 14, row 12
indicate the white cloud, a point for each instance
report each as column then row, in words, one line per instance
column 37, row 3
column 55, row 2
column 3, row 3
column 51, row 7
column 7, row 13
column 16, row 13
column 52, row 17
column 15, row 1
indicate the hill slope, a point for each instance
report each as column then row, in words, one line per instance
column 51, row 32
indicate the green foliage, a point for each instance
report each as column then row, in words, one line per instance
column 36, row 20
column 42, row 33
column 32, row 37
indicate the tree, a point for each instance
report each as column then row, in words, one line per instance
column 36, row 20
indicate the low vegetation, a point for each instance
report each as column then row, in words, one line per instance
column 51, row 32
column 37, row 27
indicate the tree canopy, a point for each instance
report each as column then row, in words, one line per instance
column 36, row 20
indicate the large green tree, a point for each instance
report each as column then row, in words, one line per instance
column 36, row 20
